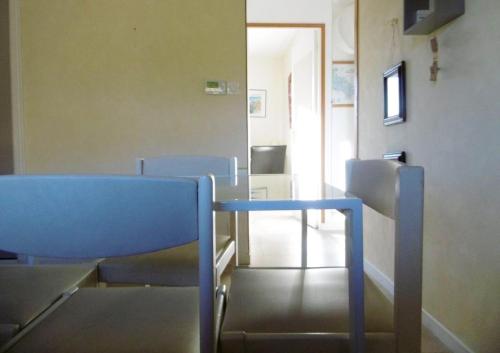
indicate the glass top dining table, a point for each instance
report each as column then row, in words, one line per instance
column 275, row 192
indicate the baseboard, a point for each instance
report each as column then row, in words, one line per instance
column 448, row 338
column 380, row 278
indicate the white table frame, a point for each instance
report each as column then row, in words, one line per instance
column 352, row 208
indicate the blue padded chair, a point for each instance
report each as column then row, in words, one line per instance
column 174, row 267
column 106, row 216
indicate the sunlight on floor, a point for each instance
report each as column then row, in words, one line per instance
column 275, row 240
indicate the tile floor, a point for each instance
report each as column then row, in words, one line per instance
column 275, row 240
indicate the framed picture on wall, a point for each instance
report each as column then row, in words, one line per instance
column 395, row 95
column 343, row 75
column 257, row 103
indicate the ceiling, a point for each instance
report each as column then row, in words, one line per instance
column 343, row 2
column 270, row 42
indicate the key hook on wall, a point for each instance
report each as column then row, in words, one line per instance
column 435, row 59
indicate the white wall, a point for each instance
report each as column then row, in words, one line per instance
column 303, row 61
column 343, row 30
column 343, row 119
column 343, row 142
column 266, row 73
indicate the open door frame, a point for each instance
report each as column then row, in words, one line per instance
column 321, row 27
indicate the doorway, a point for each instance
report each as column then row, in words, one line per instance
column 286, row 88
column 286, row 82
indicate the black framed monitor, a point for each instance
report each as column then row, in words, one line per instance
column 267, row 159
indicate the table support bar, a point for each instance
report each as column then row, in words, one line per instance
column 304, row 239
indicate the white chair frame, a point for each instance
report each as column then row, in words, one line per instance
column 397, row 191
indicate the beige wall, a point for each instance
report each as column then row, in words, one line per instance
column 105, row 82
column 453, row 131
column 266, row 72
column 6, row 144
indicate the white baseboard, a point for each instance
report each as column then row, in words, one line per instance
column 380, row 278
column 448, row 338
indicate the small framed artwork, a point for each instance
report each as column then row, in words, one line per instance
column 395, row 95
column 257, row 103
column 343, row 76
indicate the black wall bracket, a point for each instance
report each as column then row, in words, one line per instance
column 396, row 156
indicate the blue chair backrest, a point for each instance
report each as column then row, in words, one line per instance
column 96, row 216
column 103, row 216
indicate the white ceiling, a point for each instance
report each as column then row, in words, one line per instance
column 343, row 2
column 269, row 42
column 343, row 29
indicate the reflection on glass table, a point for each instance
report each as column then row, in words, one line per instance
column 270, row 187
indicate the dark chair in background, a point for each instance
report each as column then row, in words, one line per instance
column 268, row 159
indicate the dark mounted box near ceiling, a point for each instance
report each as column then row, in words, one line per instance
column 426, row 16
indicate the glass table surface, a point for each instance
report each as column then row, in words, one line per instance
column 273, row 187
